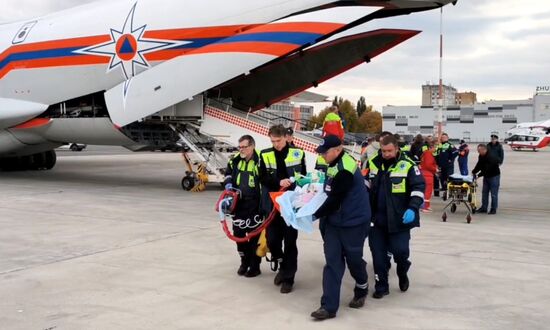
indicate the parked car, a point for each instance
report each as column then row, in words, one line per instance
column 73, row 146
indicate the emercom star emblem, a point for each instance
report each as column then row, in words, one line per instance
column 127, row 48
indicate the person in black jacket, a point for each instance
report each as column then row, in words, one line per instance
column 242, row 174
column 488, row 167
column 344, row 223
column 397, row 192
column 495, row 148
column 277, row 166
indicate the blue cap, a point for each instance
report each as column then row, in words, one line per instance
column 329, row 141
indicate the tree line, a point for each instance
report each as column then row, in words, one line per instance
column 359, row 118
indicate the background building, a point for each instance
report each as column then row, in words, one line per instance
column 474, row 122
column 466, row 98
column 430, row 95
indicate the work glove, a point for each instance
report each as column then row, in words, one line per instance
column 408, row 217
column 228, row 186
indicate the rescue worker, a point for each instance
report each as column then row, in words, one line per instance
column 333, row 123
column 463, row 152
column 243, row 173
column 277, row 165
column 446, row 154
column 344, row 223
column 397, row 192
column 495, row 148
column 378, row 155
column 428, row 141
column 416, row 149
column 428, row 167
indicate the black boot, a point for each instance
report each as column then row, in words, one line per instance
column 493, row 211
column 322, row 314
column 404, row 282
column 254, row 269
column 243, row 267
column 359, row 297
column 286, row 287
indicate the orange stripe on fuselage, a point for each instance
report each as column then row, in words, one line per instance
column 197, row 33
column 55, row 62
column 33, row 123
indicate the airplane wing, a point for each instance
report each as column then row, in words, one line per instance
column 186, row 76
column 13, row 112
column 298, row 72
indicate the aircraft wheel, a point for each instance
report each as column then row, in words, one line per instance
column 187, row 183
column 50, row 160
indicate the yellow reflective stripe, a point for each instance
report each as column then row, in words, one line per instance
column 269, row 160
column 349, row 163
column 400, row 187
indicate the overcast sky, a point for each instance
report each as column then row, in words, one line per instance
column 497, row 48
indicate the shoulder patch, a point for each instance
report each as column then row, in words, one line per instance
column 417, row 170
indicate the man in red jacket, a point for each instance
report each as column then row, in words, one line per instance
column 428, row 166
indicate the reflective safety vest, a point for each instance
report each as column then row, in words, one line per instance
column 403, row 188
column 398, row 172
column 245, row 175
column 406, row 148
column 355, row 209
column 293, row 161
column 293, row 164
column 321, row 164
column 333, row 117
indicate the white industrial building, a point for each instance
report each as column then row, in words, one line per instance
column 472, row 122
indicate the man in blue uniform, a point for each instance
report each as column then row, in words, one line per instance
column 345, row 223
column 446, row 154
column 277, row 166
column 242, row 173
column 397, row 192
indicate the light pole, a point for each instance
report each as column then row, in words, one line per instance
column 440, row 100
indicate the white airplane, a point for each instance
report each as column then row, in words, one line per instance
column 119, row 72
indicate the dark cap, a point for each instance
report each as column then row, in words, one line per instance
column 494, row 136
column 329, row 141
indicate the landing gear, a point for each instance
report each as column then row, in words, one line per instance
column 37, row 162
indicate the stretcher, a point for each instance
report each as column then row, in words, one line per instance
column 461, row 190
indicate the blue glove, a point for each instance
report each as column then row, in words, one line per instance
column 228, row 186
column 408, row 217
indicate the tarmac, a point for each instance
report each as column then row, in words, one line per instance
column 109, row 240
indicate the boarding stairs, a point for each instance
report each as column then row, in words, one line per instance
column 225, row 123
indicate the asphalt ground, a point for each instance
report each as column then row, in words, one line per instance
column 108, row 240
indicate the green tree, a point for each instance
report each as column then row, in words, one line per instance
column 370, row 122
column 361, row 106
